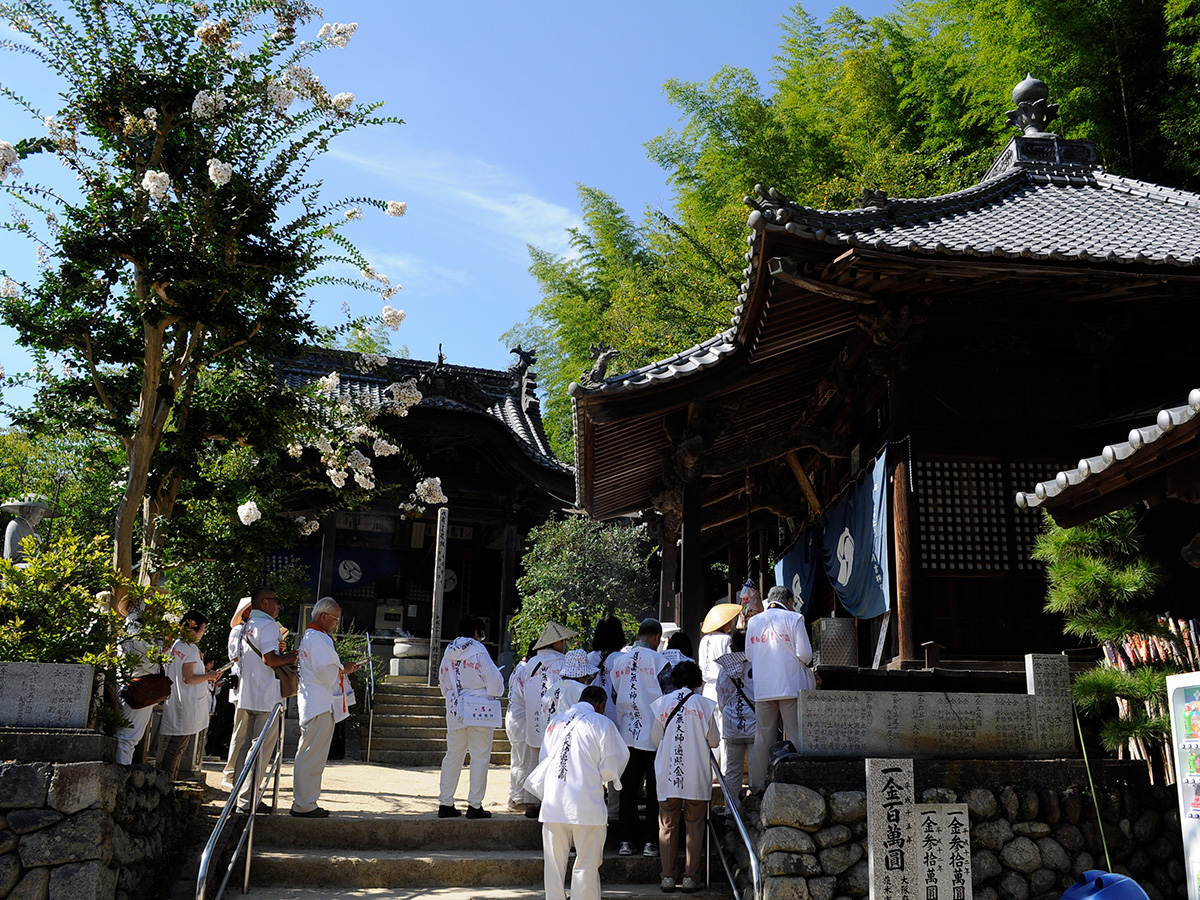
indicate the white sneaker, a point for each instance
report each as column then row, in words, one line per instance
column 667, row 885
column 689, row 885
column 650, row 851
column 626, row 849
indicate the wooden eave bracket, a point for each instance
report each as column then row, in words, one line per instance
column 785, row 269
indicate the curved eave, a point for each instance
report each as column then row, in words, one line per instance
column 1125, row 472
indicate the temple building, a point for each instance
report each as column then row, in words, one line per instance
column 892, row 376
column 479, row 431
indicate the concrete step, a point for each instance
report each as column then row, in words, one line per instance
column 386, row 726
column 443, row 868
column 611, row 892
column 419, row 759
column 379, row 742
column 504, row 831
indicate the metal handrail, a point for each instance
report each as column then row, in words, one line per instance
column 732, row 806
column 247, row 837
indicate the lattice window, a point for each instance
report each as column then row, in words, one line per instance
column 961, row 513
column 967, row 520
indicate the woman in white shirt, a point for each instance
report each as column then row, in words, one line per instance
column 185, row 712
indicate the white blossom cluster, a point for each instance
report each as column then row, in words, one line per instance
column 393, row 318
column 396, row 208
column 388, row 291
column 295, row 451
column 213, row 34
column 354, row 214
column 329, row 384
column 402, row 396
column 368, row 361
column 382, row 447
column 208, row 103
column 430, row 491
column 364, row 475
column 8, row 161
column 338, row 34
column 301, row 80
column 157, row 183
column 280, row 94
column 248, row 512
column 151, row 116
column 307, row 527
column 343, row 101
column 219, row 172
column 9, row 289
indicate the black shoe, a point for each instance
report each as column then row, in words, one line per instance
column 448, row 812
column 314, row 813
column 533, row 812
column 478, row 812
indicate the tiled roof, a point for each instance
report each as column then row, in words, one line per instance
column 1140, row 440
column 506, row 396
column 701, row 356
column 1026, row 209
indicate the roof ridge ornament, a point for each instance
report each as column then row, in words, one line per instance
column 1033, row 112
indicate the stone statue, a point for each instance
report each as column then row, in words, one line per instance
column 29, row 510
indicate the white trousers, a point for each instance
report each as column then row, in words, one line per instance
column 255, row 721
column 315, row 737
column 239, row 743
column 131, row 735
column 771, row 714
column 478, row 740
column 589, row 853
column 518, row 770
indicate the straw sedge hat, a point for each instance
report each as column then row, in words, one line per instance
column 552, row 634
column 720, row 616
column 236, row 618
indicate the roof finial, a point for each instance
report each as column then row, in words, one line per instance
column 1033, row 113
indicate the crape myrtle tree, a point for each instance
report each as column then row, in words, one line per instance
column 173, row 279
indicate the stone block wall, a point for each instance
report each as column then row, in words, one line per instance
column 1028, row 842
column 88, row 831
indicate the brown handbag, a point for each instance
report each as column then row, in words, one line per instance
column 289, row 678
column 146, row 690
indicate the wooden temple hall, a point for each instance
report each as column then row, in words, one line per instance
column 479, row 431
column 893, row 375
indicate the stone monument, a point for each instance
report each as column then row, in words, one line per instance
column 29, row 510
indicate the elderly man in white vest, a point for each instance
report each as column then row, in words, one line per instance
column 322, row 705
column 779, row 653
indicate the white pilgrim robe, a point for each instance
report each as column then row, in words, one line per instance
column 540, row 675
column 779, row 652
column 584, row 750
column 561, row 697
column 514, row 716
column 712, row 646
column 736, row 712
column 186, row 710
column 320, row 678
column 682, row 764
column 635, row 685
column 467, row 672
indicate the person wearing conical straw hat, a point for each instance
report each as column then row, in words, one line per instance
column 542, row 673
column 715, row 642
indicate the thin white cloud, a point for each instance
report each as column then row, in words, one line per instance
column 494, row 199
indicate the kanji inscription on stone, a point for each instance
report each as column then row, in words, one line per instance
column 894, row 857
column 45, row 695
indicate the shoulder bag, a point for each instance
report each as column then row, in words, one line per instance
column 289, row 678
column 146, row 690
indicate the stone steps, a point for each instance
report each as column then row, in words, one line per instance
column 421, row 759
column 410, row 727
column 511, row 892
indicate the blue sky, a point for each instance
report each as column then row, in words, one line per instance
column 507, row 107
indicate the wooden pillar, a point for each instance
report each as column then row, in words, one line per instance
column 691, row 578
column 508, row 578
column 733, row 586
column 901, row 513
column 667, row 607
column 328, row 544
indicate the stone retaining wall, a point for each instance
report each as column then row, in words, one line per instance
column 1028, row 842
column 88, row 831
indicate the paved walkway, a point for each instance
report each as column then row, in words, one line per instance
column 350, row 786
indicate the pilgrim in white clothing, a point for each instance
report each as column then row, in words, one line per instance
column 684, row 729
column 467, row 673
column 735, row 696
column 129, row 736
column 322, row 701
column 239, row 741
column 514, row 726
column 576, row 674
column 258, row 688
column 779, row 652
column 582, row 751
column 185, row 712
column 636, row 687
